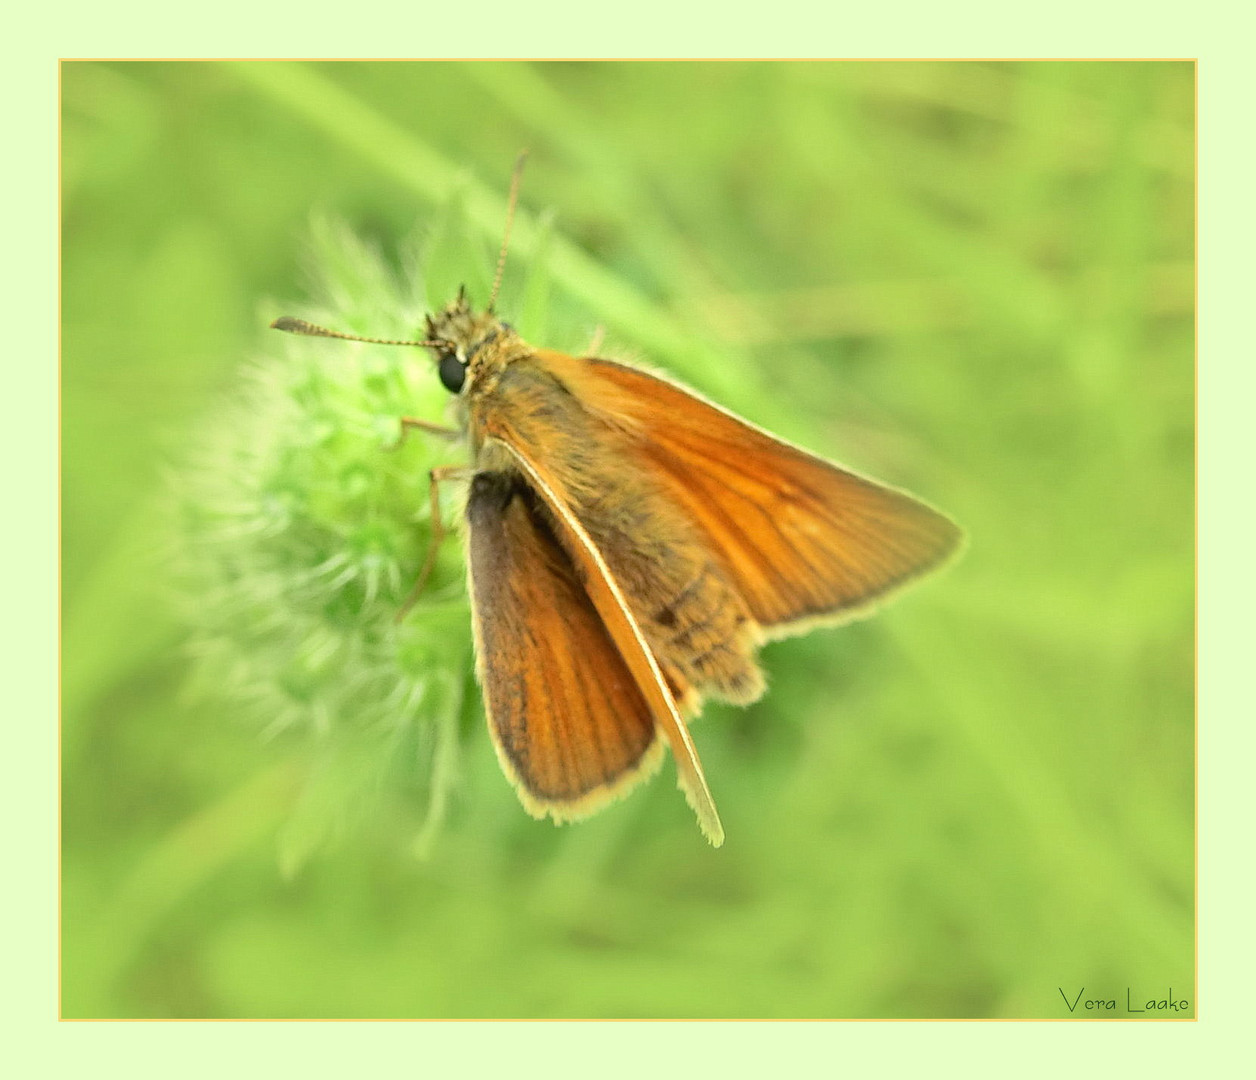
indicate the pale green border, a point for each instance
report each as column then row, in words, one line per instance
column 612, row 1050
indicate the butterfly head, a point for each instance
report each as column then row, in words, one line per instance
column 468, row 345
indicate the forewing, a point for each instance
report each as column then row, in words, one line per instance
column 617, row 621
column 570, row 725
column 801, row 539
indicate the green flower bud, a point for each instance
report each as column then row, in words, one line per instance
column 304, row 520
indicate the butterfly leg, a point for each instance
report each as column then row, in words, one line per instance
column 413, row 423
column 434, row 476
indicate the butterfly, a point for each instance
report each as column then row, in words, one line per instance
column 630, row 546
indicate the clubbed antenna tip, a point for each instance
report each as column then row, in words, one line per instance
column 290, row 325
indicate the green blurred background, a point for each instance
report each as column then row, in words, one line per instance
column 974, row 280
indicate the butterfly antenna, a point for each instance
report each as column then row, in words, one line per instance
column 299, row 326
column 511, row 202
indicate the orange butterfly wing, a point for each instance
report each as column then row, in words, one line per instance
column 571, row 728
column 801, row 539
column 615, row 624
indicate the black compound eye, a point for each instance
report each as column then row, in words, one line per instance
column 453, row 372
